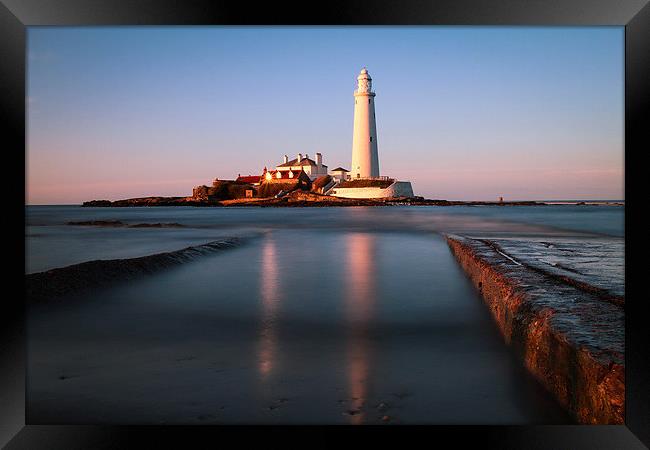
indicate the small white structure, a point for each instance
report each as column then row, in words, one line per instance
column 340, row 174
column 313, row 169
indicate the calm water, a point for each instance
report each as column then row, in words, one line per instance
column 327, row 315
column 51, row 243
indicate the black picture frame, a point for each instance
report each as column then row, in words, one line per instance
column 16, row 15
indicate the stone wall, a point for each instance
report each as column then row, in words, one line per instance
column 569, row 339
column 396, row 189
column 270, row 188
column 222, row 190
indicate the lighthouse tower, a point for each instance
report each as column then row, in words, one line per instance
column 365, row 160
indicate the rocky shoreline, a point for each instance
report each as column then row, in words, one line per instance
column 118, row 224
column 296, row 199
column 57, row 283
column 570, row 338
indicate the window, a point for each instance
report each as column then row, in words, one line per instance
column 370, row 138
column 368, row 101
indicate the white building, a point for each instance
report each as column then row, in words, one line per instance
column 340, row 174
column 313, row 169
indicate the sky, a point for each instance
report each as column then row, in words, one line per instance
column 464, row 113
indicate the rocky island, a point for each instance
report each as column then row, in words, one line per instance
column 229, row 193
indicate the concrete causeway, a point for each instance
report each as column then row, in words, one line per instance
column 559, row 302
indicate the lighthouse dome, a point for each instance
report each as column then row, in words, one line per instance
column 364, row 82
column 364, row 75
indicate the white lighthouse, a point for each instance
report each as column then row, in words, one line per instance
column 365, row 159
column 363, row 180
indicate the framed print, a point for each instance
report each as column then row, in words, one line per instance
column 360, row 220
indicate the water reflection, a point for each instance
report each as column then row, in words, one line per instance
column 270, row 296
column 359, row 308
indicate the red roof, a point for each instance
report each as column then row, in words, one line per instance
column 249, row 179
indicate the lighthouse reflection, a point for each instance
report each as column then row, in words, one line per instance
column 359, row 304
column 270, row 298
column 359, row 308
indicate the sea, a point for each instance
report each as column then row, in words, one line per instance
column 333, row 315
